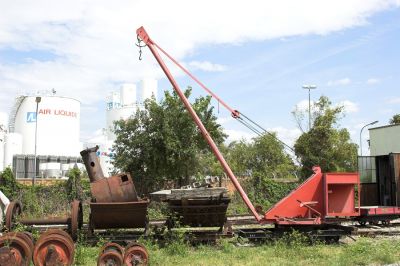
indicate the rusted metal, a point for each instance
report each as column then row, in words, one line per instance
column 76, row 220
column 55, row 247
column 200, row 212
column 7, row 257
column 14, row 209
column 92, row 164
column 118, row 188
column 106, row 215
column 47, row 221
column 18, row 247
column 111, row 254
column 136, row 254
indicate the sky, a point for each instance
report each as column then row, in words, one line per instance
column 255, row 55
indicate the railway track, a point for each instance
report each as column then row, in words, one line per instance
column 237, row 225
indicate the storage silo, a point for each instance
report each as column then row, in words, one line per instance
column 12, row 145
column 58, row 124
column 149, row 89
column 2, row 138
column 128, row 94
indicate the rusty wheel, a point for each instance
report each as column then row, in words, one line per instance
column 55, row 247
column 111, row 246
column 136, row 254
column 26, row 236
column 110, row 258
column 6, row 257
column 76, row 218
column 13, row 210
column 18, row 248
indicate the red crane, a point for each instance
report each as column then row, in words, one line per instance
column 320, row 197
column 142, row 34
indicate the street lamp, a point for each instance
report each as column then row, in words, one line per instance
column 370, row 124
column 309, row 88
column 37, row 100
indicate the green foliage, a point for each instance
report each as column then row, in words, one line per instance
column 162, row 145
column 8, row 184
column 325, row 144
column 395, row 120
column 76, row 186
column 263, row 156
column 261, row 191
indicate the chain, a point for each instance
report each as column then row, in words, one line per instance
column 139, row 44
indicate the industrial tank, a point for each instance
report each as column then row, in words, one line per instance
column 12, row 145
column 58, row 122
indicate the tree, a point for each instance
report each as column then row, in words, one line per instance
column 264, row 156
column 161, row 144
column 395, row 120
column 325, row 144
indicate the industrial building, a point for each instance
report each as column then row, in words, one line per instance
column 121, row 105
column 380, row 172
column 45, row 126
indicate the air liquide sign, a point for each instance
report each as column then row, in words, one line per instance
column 31, row 116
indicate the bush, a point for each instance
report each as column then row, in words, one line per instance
column 8, row 184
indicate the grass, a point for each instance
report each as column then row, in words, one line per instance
column 363, row 252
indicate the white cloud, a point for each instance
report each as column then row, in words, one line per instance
column 349, row 106
column 287, row 135
column 91, row 44
column 236, row 135
column 394, row 100
column 207, row 66
column 372, row 81
column 339, row 82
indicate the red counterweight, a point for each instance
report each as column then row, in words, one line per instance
column 320, row 197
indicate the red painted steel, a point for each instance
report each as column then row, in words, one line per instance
column 340, row 194
column 152, row 46
column 289, row 208
column 319, row 197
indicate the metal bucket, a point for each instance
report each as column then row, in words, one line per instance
column 106, row 215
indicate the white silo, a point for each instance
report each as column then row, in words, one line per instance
column 148, row 89
column 12, row 145
column 58, row 125
column 2, row 139
column 128, row 94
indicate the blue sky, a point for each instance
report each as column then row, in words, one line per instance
column 255, row 57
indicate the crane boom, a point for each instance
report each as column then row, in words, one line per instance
column 142, row 34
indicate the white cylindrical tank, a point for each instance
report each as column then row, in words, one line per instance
column 2, row 139
column 42, row 169
column 128, row 94
column 58, row 125
column 53, row 170
column 12, row 145
column 149, row 88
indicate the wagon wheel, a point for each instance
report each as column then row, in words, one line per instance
column 136, row 254
column 110, row 258
column 111, row 254
column 27, row 237
column 111, row 246
column 7, row 257
column 362, row 223
column 14, row 209
column 76, row 218
column 18, row 248
column 386, row 222
column 54, row 247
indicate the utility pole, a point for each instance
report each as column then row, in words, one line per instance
column 37, row 100
column 309, row 88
